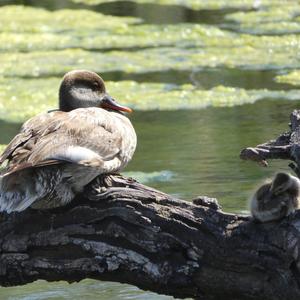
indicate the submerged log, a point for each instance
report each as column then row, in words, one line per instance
column 121, row 230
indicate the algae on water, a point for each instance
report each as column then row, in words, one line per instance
column 274, row 19
column 290, row 78
column 56, row 63
column 58, row 41
column 21, row 99
column 38, row 46
column 138, row 36
column 21, row 19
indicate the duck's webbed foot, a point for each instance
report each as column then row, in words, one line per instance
column 97, row 189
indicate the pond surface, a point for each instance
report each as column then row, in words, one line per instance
column 185, row 152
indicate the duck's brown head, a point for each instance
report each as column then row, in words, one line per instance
column 81, row 88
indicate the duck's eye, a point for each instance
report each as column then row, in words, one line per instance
column 95, row 85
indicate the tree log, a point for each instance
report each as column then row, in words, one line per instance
column 134, row 234
column 121, row 230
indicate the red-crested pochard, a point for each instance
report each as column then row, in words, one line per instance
column 57, row 153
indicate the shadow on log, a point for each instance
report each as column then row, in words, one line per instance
column 121, row 230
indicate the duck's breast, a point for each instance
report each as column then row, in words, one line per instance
column 111, row 134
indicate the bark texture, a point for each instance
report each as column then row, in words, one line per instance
column 123, row 231
column 286, row 146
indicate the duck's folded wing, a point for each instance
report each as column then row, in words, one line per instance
column 20, row 147
column 19, row 140
column 61, row 139
column 63, row 146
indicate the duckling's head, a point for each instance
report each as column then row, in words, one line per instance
column 81, row 88
column 281, row 183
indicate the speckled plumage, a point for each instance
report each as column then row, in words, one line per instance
column 57, row 153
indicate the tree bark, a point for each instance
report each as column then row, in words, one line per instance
column 286, row 146
column 121, row 230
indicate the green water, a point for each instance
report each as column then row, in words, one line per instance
column 201, row 149
column 186, row 152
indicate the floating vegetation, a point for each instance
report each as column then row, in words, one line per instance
column 275, row 19
column 38, row 46
column 290, row 78
column 61, row 29
column 57, row 41
column 55, row 63
column 270, row 28
column 24, row 19
column 28, row 29
column 138, row 36
column 23, row 98
column 185, row 35
column 277, row 13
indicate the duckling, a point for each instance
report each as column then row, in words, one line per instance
column 56, row 154
column 276, row 199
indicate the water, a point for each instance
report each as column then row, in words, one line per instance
column 185, row 153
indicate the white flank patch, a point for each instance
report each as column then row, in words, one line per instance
column 76, row 154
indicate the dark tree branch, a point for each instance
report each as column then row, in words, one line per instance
column 286, row 146
column 134, row 234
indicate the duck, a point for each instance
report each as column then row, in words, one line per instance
column 57, row 153
column 276, row 199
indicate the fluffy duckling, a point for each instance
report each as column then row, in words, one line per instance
column 276, row 199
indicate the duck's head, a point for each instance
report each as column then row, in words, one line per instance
column 81, row 88
column 281, row 183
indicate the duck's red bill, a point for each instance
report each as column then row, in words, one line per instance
column 109, row 103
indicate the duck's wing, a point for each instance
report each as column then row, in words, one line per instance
column 75, row 137
column 21, row 145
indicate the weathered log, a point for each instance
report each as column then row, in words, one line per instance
column 134, row 234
